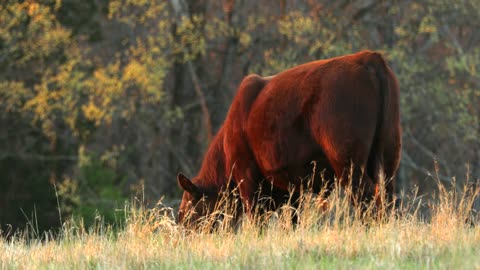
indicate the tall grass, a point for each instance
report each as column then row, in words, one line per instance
column 328, row 235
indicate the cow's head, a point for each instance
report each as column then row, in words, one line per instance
column 197, row 201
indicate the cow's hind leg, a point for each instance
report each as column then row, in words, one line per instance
column 353, row 178
column 348, row 159
column 359, row 185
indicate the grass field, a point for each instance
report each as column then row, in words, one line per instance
column 331, row 238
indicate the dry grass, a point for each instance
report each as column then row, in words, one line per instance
column 329, row 237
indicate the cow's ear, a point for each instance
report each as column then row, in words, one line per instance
column 187, row 185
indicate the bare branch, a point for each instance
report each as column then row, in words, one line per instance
column 38, row 157
column 203, row 103
column 426, row 151
column 179, row 7
column 363, row 9
column 181, row 159
column 228, row 9
column 181, row 10
column 408, row 161
column 453, row 38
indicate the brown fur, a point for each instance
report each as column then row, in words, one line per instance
column 209, row 182
column 342, row 113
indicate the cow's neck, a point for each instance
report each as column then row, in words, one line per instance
column 212, row 173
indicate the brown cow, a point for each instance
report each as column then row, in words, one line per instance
column 342, row 113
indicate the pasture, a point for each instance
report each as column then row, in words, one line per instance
column 104, row 100
column 417, row 235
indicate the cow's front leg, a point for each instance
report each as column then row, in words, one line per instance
column 248, row 178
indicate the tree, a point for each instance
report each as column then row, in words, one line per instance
column 100, row 96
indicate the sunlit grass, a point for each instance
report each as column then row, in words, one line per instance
column 329, row 236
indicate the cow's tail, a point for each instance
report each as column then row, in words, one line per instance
column 375, row 166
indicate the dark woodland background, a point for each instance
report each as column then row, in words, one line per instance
column 104, row 101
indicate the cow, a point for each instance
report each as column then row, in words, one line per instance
column 202, row 193
column 341, row 113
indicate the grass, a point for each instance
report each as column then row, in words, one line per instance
column 331, row 238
